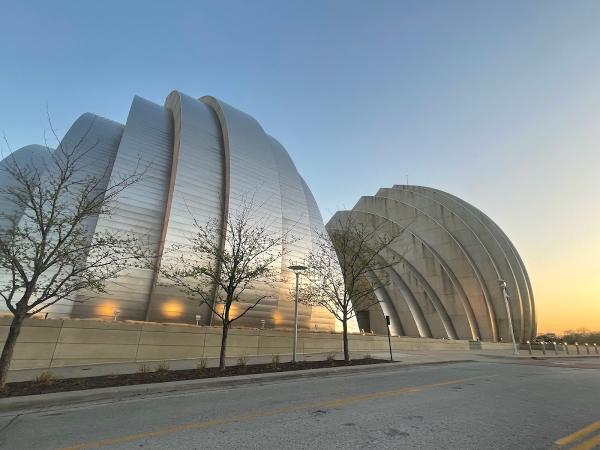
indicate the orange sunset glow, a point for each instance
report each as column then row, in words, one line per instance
column 566, row 283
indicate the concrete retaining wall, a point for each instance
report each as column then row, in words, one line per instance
column 70, row 342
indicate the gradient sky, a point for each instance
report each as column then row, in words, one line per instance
column 498, row 103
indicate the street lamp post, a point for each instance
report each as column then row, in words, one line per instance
column 509, row 316
column 297, row 270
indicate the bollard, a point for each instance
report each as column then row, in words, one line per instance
column 529, row 347
column 262, row 324
column 577, row 347
column 555, row 348
column 566, row 347
column 544, row 347
column 587, row 348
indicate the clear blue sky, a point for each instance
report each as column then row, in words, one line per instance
column 496, row 102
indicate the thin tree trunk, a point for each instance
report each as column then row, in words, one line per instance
column 345, row 337
column 9, row 347
column 223, row 346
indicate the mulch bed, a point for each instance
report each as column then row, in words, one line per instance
column 163, row 375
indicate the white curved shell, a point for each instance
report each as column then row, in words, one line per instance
column 452, row 258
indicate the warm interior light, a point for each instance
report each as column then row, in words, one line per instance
column 277, row 318
column 233, row 309
column 106, row 308
column 172, row 309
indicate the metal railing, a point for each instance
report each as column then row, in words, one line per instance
column 558, row 347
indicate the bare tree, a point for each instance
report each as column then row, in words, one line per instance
column 48, row 248
column 237, row 264
column 347, row 266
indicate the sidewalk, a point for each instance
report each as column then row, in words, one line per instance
column 413, row 356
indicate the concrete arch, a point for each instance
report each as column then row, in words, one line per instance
column 411, row 302
column 377, row 204
column 525, row 294
column 438, row 321
column 467, row 248
column 480, row 268
column 399, row 195
column 414, row 308
column 470, row 316
column 521, row 313
column 433, row 297
column 386, row 304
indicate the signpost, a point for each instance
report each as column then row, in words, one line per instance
column 387, row 321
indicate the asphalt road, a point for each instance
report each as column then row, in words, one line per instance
column 476, row 405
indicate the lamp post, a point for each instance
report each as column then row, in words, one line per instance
column 509, row 316
column 297, row 270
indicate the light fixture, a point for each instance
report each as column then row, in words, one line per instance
column 503, row 285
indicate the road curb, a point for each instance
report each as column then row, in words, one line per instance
column 538, row 357
column 118, row 393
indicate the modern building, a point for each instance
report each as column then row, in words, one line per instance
column 201, row 157
column 446, row 271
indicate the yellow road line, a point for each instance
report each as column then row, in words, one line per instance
column 257, row 414
column 578, row 434
column 588, row 444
